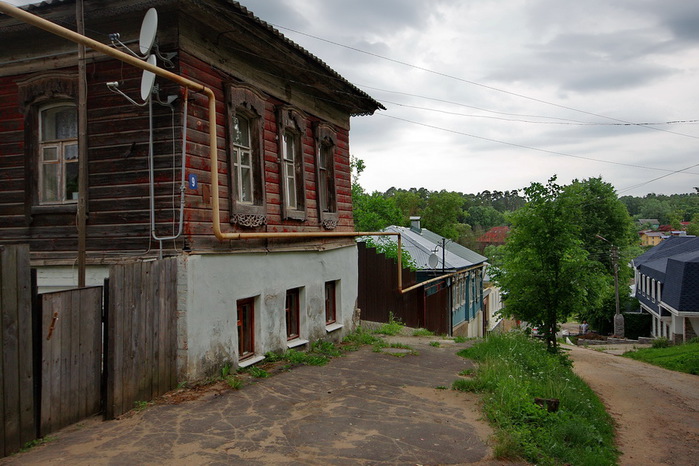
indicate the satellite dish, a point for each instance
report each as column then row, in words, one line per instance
column 148, row 79
column 433, row 260
column 149, row 27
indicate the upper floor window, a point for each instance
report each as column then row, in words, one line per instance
column 245, row 124
column 58, row 154
column 290, row 156
column 242, row 160
column 292, row 127
column 326, row 187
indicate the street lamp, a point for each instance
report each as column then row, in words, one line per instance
column 618, row 317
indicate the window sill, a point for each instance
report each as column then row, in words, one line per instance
column 333, row 327
column 295, row 343
column 250, row 361
column 55, row 209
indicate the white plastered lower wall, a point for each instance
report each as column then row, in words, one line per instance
column 61, row 277
column 209, row 287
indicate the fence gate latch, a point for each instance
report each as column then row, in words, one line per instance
column 53, row 325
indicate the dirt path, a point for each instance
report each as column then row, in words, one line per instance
column 656, row 410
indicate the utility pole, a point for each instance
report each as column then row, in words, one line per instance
column 618, row 317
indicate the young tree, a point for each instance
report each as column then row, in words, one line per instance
column 371, row 212
column 546, row 274
column 603, row 222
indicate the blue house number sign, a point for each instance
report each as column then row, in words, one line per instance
column 193, row 181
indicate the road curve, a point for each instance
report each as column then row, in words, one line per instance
column 656, row 410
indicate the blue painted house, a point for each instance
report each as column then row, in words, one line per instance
column 461, row 268
column 667, row 286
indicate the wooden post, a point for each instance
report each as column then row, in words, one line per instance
column 82, row 147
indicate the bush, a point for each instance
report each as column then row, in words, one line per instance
column 661, row 342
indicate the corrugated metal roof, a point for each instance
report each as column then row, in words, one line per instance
column 422, row 245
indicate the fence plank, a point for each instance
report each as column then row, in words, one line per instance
column 10, row 348
column 142, row 313
column 26, row 356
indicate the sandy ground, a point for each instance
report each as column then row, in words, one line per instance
column 656, row 410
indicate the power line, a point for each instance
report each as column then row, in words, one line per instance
column 565, row 123
column 522, row 146
column 474, row 83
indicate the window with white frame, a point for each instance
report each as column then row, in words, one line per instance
column 326, row 193
column 245, row 125
column 289, row 161
column 291, row 130
column 58, row 154
column 242, row 160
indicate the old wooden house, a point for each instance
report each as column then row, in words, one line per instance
column 282, row 129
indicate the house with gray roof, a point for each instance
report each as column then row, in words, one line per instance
column 667, row 287
column 444, row 263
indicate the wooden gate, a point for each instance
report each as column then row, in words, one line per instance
column 71, row 356
column 142, row 333
column 18, row 423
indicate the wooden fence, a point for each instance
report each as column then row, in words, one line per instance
column 142, row 333
column 71, row 357
column 16, row 363
column 379, row 297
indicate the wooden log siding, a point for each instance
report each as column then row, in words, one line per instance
column 17, row 421
column 142, row 333
column 118, row 175
column 118, row 205
column 199, row 228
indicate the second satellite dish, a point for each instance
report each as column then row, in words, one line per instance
column 148, row 29
column 148, row 79
column 433, row 260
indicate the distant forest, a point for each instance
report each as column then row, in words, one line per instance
column 464, row 217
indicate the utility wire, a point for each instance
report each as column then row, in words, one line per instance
column 474, row 83
column 522, row 146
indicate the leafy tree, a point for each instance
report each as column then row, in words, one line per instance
column 485, row 216
column 603, row 215
column 371, row 212
column 546, row 274
column 693, row 228
column 409, row 203
column 442, row 212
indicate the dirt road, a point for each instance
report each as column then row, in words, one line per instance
column 656, row 410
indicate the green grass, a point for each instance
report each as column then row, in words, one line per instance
column 435, row 344
column 358, row 338
column 680, row 358
column 422, row 332
column 257, row 372
column 512, row 371
column 36, row 442
column 393, row 327
column 460, row 339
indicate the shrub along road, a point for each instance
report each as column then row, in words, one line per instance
column 656, row 410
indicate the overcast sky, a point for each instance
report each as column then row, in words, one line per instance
column 495, row 94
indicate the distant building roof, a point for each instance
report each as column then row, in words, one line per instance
column 495, row 235
column 675, row 263
column 649, row 221
column 425, row 243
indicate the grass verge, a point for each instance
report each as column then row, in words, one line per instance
column 680, row 358
column 512, row 371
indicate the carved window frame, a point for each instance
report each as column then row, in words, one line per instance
column 37, row 93
column 326, row 179
column 291, row 123
column 242, row 100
